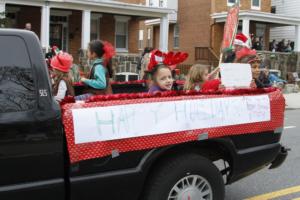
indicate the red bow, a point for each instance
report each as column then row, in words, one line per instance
column 109, row 51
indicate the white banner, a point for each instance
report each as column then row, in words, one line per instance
column 136, row 120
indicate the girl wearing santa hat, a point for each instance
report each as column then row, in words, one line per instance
column 240, row 41
column 62, row 82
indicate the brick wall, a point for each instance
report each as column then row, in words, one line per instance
column 156, row 31
column 194, row 26
column 107, row 28
column 133, row 35
column 217, row 36
column 171, row 38
column 156, row 36
column 221, row 5
column 75, row 33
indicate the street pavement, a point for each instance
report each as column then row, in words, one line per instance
column 282, row 183
column 292, row 100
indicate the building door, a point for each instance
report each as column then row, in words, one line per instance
column 261, row 33
column 59, row 33
column 56, row 35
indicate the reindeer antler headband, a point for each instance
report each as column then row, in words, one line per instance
column 170, row 59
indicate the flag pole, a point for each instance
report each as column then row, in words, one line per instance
column 233, row 36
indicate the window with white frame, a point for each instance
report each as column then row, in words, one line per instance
column 157, row 3
column 95, row 27
column 121, row 33
column 255, row 4
column 231, row 2
column 176, row 36
column 141, row 39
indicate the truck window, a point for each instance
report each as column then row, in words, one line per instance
column 17, row 91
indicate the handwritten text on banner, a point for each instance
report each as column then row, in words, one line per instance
column 136, row 120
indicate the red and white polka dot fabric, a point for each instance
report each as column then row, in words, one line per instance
column 79, row 152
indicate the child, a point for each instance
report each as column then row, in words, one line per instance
column 98, row 79
column 246, row 55
column 256, row 73
column 161, row 66
column 162, row 79
column 62, row 82
column 197, row 75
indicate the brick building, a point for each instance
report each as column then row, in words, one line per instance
column 194, row 26
column 72, row 24
column 197, row 26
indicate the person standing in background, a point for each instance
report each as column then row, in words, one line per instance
column 144, row 61
column 281, row 46
column 257, row 44
column 273, row 46
column 288, row 47
column 28, row 26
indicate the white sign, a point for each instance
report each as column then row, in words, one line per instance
column 135, row 120
column 236, row 75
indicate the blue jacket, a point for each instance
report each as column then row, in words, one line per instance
column 99, row 81
column 275, row 79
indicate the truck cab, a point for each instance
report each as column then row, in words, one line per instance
column 31, row 139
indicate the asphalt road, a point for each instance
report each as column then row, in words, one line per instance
column 284, row 182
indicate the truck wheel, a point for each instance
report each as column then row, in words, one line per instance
column 186, row 177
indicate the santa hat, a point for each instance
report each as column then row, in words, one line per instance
column 241, row 40
column 62, row 62
column 170, row 59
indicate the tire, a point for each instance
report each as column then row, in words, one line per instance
column 185, row 172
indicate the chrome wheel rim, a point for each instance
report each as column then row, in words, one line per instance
column 192, row 187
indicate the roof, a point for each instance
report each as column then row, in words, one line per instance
column 103, row 6
column 260, row 17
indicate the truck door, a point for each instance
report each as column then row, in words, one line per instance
column 31, row 140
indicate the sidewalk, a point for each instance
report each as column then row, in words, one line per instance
column 292, row 100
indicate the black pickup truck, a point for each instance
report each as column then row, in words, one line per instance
column 34, row 160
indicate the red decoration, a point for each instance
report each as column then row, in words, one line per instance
column 245, row 52
column 211, row 86
column 170, row 59
column 230, row 27
column 79, row 152
column 241, row 37
column 67, row 99
column 109, row 51
column 155, row 59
